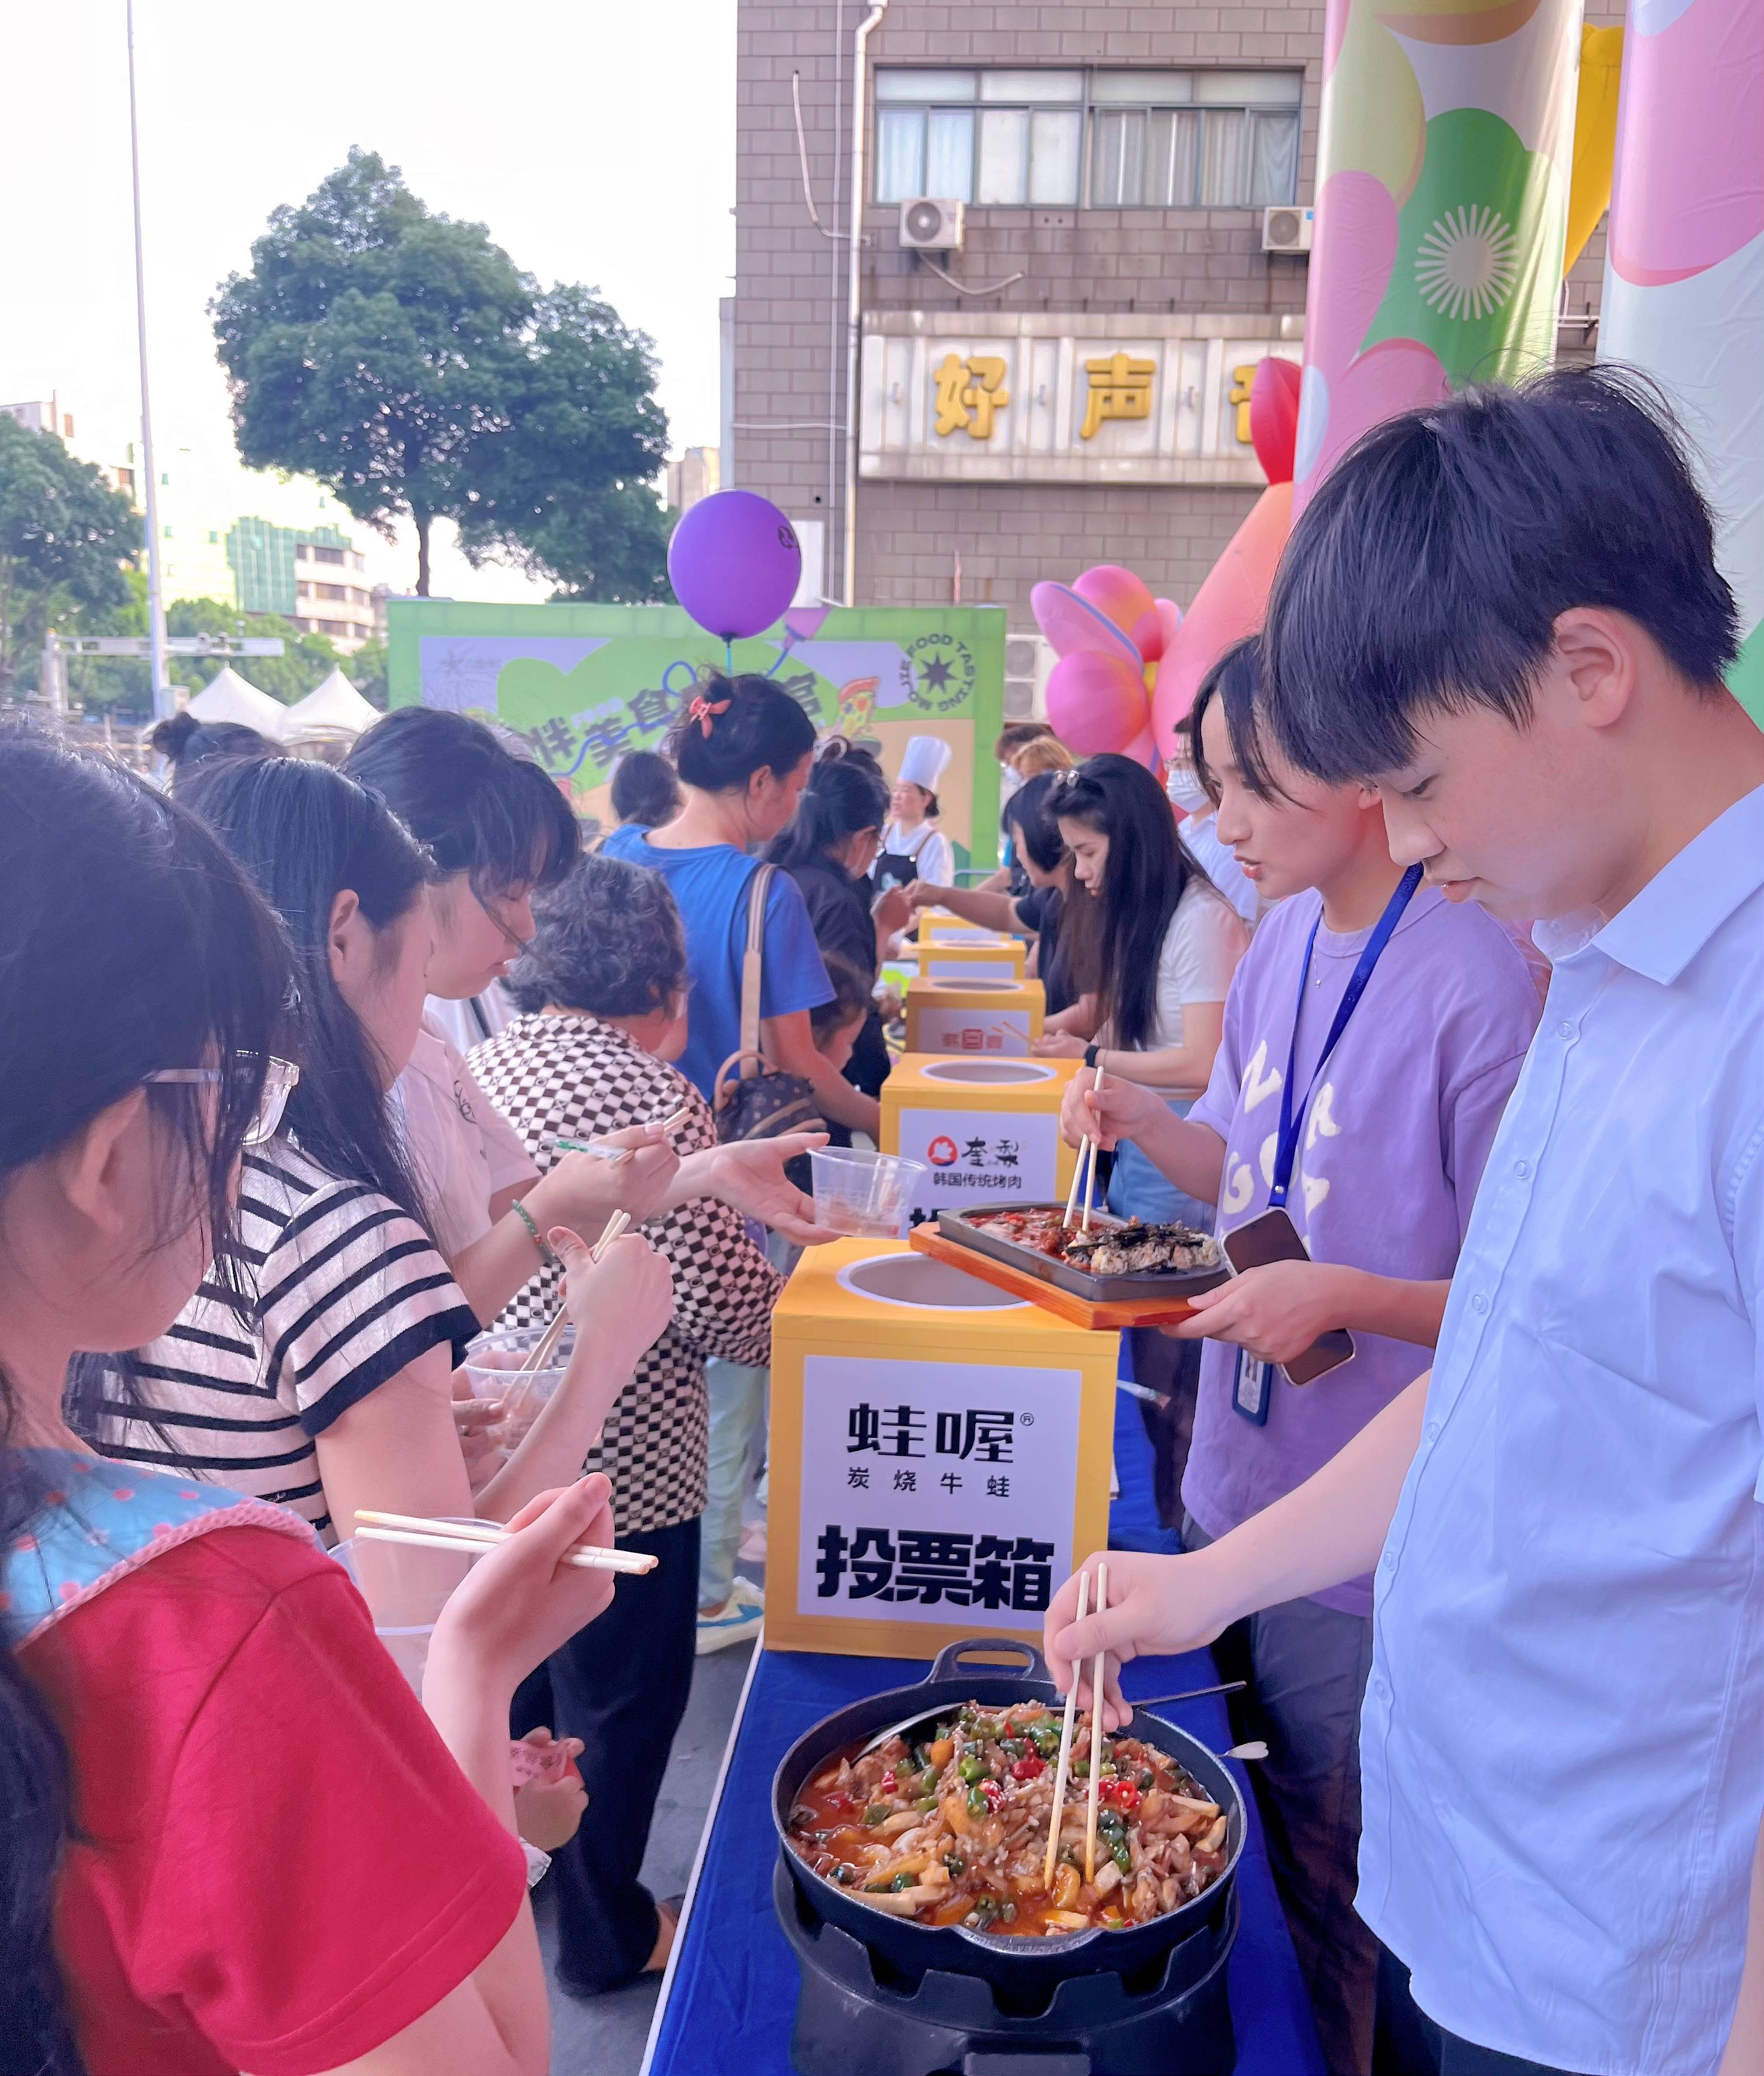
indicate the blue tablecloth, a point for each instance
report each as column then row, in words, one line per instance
column 731, row 1995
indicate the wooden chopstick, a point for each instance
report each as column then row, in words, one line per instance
column 615, row 1225
column 1090, row 1178
column 1096, row 1733
column 425, row 1534
column 1086, row 1149
column 1065, row 1750
column 548, row 1341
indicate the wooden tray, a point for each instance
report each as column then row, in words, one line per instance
column 1099, row 1318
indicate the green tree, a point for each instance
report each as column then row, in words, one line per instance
column 402, row 359
column 563, row 493
column 366, row 671
column 64, row 536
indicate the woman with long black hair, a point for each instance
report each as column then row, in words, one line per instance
column 829, row 849
column 1166, row 942
column 232, row 1838
column 332, row 1392
column 1163, row 945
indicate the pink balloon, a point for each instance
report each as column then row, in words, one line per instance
column 1076, row 627
column 1153, row 632
column 1396, row 375
column 1116, row 591
column 1274, row 416
column 1356, row 228
column 1229, row 604
column 1096, row 702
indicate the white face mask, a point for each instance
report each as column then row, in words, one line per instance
column 1010, row 782
column 1186, row 791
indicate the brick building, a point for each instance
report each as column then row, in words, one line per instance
column 1054, row 378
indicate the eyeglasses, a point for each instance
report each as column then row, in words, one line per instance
column 279, row 1078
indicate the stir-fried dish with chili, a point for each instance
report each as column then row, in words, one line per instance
column 949, row 1826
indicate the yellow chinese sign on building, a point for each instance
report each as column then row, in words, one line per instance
column 969, row 394
column 1120, row 387
column 1243, row 381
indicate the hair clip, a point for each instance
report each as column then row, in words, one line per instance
column 1069, row 777
column 704, row 710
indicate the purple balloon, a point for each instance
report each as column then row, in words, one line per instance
column 734, row 563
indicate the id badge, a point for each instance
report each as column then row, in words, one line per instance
column 1250, row 1388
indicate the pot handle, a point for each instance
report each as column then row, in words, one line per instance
column 947, row 1664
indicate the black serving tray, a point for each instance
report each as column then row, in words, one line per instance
column 1143, row 1283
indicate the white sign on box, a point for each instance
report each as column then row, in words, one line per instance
column 931, row 1491
column 974, row 1153
column 1004, row 1033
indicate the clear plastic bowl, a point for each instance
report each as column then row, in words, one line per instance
column 492, row 1364
column 405, row 1587
column 867, row 1195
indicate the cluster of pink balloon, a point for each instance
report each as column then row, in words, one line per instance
column 1130, row 664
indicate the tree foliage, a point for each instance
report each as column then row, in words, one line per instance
column 64, row 536
column 403, row 360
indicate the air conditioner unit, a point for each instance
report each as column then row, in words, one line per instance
column 928, row 225
column 1287, row 229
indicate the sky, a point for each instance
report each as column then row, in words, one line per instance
column 594, row 137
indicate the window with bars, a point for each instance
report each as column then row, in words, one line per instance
column 1101, row 139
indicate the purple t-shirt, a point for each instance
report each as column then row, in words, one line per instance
column 1391, row 1151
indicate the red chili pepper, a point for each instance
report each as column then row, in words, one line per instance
column 994, row 1793
column 889, row 1783
column 1123, row 1794
column 1026, row 1769
column 838, row 1799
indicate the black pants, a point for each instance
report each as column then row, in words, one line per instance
column 621, row 1686
column 1172, row 1369
column 1406, row 2042
column 1306, row 1666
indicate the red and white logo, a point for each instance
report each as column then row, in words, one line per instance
column 943, row 1151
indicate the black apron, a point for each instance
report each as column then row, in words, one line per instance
column 899, row 868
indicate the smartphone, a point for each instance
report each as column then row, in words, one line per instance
column 1273, row 1237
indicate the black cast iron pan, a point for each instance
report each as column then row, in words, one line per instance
column 1010, row 1962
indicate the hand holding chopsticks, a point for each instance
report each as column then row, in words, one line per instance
column 1096, row 1734
column 475, row 1538
column 1065, row 1765
column 1084, row 1171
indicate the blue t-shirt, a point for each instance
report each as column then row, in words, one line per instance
column 710, row 889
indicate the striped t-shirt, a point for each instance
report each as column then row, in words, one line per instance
column 343, row 1290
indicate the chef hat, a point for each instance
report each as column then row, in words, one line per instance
column 925, row 761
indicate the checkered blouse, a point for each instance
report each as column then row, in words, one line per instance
column 572, row 1077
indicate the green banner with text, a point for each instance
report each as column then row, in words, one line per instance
column 583, row 685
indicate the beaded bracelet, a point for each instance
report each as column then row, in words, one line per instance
column 534, row 1234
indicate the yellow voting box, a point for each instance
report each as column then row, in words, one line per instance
column 987, row 1127
column 935, row 923
column 985, row 1016
column 980, row 955
column 961, row 950
column 939, row 1455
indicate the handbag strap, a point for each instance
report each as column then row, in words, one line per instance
column 753, row 963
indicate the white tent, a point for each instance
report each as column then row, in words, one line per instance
column 228, row 697
column 332, row 711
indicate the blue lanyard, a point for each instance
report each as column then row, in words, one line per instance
column 1286, row 1148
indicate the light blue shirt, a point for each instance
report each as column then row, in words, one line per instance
column 1562, row 1742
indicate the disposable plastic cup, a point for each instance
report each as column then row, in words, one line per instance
column 492, row 1362
column 866, row 1194
column 405, row 1587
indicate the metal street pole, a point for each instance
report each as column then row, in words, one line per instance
column 164, row 701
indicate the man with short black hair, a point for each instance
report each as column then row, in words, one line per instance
column 1505, row 613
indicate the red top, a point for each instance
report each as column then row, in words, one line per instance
column 279, row 1866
